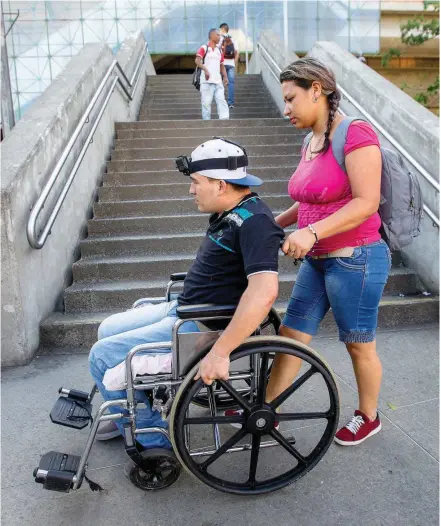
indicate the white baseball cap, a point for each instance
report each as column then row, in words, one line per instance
column 222, row 149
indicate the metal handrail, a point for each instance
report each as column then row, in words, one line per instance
column 377, row 125
column 38, row 241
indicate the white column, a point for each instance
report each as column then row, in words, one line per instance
column 285, row 25
column 245, row 15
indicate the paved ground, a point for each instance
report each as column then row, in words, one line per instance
column 392, row 479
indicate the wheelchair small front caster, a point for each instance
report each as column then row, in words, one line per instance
column 160, row 469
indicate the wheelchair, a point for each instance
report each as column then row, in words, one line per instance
column 231, row 451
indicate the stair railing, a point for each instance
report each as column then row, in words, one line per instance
column 128, row 87
column 275, row 70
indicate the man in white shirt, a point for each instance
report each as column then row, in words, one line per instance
column 211, row 60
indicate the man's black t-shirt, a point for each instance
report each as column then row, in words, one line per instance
column 238, row 243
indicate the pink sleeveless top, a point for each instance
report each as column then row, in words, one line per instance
column 322, row 187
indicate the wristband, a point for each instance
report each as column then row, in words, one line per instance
column 312, row 229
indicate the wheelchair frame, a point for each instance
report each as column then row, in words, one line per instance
column 173, row 381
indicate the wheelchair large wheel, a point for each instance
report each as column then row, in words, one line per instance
column 302, row 447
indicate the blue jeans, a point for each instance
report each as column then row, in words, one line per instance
column 117, row 335
column 351, row 286
column 231, row 74
column 208, row 91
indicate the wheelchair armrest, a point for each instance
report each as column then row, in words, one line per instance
column 207, row 310
column 178, row 276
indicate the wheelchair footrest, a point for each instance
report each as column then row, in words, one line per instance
column 57, row 470
column 71, row 412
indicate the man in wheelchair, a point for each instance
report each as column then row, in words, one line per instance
column 236, row 264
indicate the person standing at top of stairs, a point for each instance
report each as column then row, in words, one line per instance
column 211, row 60
column 231, row 58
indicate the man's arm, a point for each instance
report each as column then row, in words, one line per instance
column 253, row 307
column 236, row 58
column 224, row 73
column 200, row 64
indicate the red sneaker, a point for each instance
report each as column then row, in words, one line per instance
column 357, row 430
column 238, row 412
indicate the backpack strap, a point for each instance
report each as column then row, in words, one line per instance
column 339, row 140
column 206, row 51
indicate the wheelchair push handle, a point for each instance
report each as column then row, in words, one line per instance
column 178, row 276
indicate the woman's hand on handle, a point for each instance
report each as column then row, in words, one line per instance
column 298, row 243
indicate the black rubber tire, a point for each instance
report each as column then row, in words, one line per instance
column 162, row 461
column 261, row 344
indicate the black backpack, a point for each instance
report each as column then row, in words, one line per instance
column 196, row 80
column 229, row 51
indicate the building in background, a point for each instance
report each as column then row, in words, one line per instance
column 48, row 34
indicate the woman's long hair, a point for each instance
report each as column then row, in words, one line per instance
column 303, row 73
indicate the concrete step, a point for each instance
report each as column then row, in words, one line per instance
column 169, row 164
column 240, row 101
column 173, row 176
column 148, row 258
column 192, row 142
column 143, row 268
column 257, row 110
column 171, row 191
column 402, row 280
column 246, row 103
column 199, row 123
column 186, row 84
column 137, row 154
column 208, row 132
column 149, row 225
column 189, row 90
column 113, row 209
column 178, row 79
column 197, row 115
column 79, row 331
column 99, row 296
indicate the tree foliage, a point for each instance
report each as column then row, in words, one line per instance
column 414, row 33
column 419, row 30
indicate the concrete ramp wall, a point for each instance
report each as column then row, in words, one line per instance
column 33, row 280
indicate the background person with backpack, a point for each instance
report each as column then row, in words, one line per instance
column 346, row 262
column 210, row 60
column 231, row 59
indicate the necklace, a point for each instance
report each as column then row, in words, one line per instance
column 311, row 151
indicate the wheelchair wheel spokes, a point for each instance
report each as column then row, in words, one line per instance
column 277, row 402
column 255, row 450
column 288, row 446
column 310, row 411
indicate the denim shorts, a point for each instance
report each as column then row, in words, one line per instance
column 351, row 286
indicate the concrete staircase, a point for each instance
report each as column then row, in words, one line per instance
column 145, row 225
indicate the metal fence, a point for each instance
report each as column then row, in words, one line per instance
column 48, row 34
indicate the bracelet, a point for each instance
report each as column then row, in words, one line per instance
column 312, row 229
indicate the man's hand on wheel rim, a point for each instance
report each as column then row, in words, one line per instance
column 213, row 367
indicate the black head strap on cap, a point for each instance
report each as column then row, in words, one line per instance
column 187, row 166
